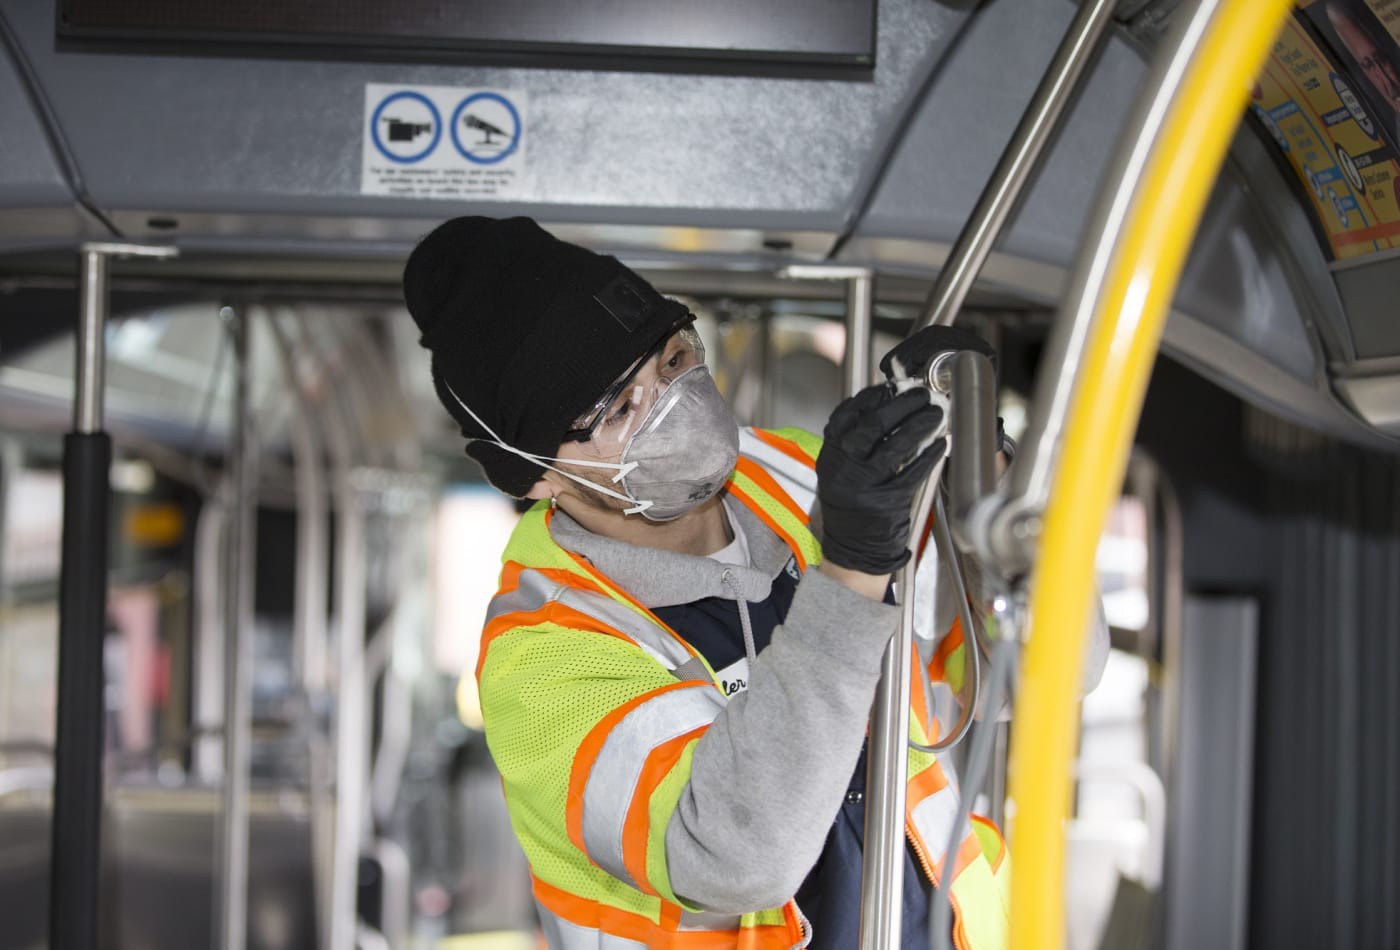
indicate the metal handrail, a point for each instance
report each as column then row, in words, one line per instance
column 310, row 634
column 1018, row 163
column 239, row 567
column 881, row 887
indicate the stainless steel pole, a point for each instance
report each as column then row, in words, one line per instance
column 972, row 475
column 310, row 636
column 238, row 645
column 76, row 829
column 860, row 313
column 90, row 381
column 351, row 721
column 881, row 887
column 1018, row 162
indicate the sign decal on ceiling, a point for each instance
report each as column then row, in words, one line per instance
column 407, row 153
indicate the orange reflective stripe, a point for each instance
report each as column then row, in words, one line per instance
column 768, row 519
column 918, row 700
column 923, row 539
column 588, row 751
column 938, row 666
column 763, row 480
column 930, row 781
column 785, row 446
column 659, row 936
column 960, row 940
column 552, row 612
column 670, row 915
column 636, row 828
column 510, row 577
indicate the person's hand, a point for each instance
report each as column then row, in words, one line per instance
column 912, row 357
column 879, row 448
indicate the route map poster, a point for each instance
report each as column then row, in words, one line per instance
column 1326, row 100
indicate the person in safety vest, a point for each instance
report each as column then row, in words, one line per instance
column 677, row 670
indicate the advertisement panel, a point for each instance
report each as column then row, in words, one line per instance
column 1327, row 100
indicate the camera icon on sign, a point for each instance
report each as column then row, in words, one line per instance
column 401, row 131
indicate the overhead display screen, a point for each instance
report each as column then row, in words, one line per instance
column 832, row 33
column 1329, row 97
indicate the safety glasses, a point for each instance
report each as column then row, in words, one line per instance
column 604, row 429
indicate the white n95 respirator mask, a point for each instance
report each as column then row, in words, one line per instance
column 680, row 447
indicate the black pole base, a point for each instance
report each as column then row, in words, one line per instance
column 77, row 794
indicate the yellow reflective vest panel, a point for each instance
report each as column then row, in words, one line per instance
column 593, row 708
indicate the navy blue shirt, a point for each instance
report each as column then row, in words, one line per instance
column 830, row 896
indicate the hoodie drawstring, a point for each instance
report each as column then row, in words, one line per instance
column 749, row 652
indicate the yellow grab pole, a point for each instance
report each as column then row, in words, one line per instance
column 1127, row 326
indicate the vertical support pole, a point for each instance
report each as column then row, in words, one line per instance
column 238, row 647
column 883, row 856
column 352, row 719
column 972, row 467
column 860, row 312
column 884, row 841
column 882, row 865
column 996, row 777
column 76, row 832
column 767, row 366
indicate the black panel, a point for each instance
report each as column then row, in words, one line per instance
column 829, row 32
column 1368, row 293
column 1311, row 528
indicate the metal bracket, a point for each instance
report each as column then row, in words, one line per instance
column 120, row 249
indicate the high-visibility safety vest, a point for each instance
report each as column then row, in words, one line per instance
column 593, row 708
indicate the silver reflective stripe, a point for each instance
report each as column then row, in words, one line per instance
column 943, row 703
column 933, row 819
column 801, row 497
column 799, row 481
column 655, row 640
column 560, row 934
column 693, row 670
column 708, row 920
column 612, row 781
column 535, row 590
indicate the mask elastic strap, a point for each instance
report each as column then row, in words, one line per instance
column 544, row 460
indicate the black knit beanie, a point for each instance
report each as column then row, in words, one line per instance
column 528, row 331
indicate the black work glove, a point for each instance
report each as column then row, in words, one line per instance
column 875, row 457
column 915, row 353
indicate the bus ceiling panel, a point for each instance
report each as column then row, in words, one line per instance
column 283, row 137
column 29, row 174
column 1241, row 279
column 955, row 141
column 35, row 197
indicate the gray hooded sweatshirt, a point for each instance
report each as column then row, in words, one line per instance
column 769, row 775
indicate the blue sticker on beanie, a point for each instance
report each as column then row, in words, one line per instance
column 627, row 301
